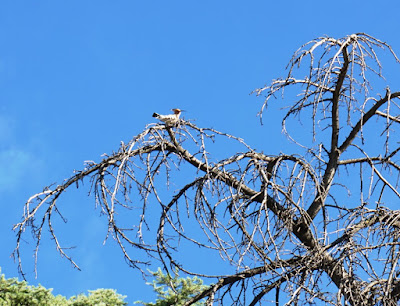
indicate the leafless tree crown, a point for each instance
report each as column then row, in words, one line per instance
column 315, row 227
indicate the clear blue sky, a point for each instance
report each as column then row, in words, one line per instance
column 77, row 77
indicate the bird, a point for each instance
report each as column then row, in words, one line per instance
column 169, row 119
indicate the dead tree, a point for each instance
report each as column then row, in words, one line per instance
column 315, row 226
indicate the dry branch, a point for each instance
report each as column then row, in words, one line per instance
column 282, row 222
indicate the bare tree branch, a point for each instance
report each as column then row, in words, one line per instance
column 317, row 225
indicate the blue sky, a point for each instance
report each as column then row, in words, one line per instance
column 77, row 77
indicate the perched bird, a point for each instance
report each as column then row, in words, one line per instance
column 169, row 119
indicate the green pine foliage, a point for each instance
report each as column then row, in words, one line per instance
column 14, row 292
column 170, row 291
column 174, row 290
column 99, row 297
